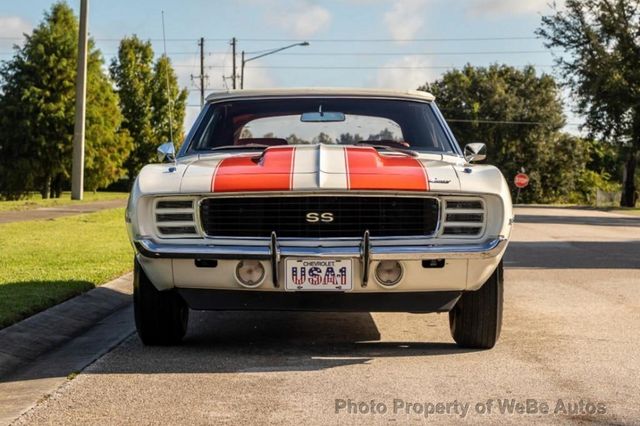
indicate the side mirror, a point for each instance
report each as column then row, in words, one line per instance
column 167, row 153
column 475, row 152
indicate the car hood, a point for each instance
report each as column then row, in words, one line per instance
column 319, row 167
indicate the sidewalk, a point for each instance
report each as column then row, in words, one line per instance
column 38, row 354
column 54, row 212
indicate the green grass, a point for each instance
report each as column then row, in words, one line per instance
column 45, row 262
column 34, row 201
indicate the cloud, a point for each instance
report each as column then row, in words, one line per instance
column 12, row 27
column 406, row 73
column 405, row 18
column 299, row 18
column 503, row 7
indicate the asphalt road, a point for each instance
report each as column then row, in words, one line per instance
column 570, row 340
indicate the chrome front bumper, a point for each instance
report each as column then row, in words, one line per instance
column 366, row 252
column 490, row 248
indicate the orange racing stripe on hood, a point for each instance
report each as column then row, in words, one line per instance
column 272, row 171
column 367, row 169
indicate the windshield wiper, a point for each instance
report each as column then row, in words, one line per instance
column 249, row 146
column 410, row 152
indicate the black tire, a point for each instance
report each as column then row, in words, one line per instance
column 476, row 319
column 161, row 316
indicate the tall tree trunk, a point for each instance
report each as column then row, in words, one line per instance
column 56, row 187
column 629, row 194
column 46, row 188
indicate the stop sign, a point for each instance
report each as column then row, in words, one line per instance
column 521, row 180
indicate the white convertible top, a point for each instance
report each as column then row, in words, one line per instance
column 320, row 91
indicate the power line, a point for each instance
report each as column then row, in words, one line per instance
column 318, row 40
column 173, row 40
column 517, row 123
column 494, row 52
column 181, row 40
column 524, row 123
column 476, row 52
column 324, row 67
column 390, row 40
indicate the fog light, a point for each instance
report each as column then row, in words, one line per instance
column 389, row 272
column 249, row 273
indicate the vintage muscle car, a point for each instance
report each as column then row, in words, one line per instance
column 321, row 200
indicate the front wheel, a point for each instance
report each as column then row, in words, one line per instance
column 161, row 316
column 476, row 320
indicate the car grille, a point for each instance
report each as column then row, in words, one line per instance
column 463, row 217
column 174, row 218
column 287, row 216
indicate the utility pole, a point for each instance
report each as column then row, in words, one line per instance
column 202, row 78
column 77, row 170
column 233, row 72
column 201, row 72
column 242, row 71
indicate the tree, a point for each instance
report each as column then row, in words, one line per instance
column 105, row 148
column 323, row 138
column 518, row 114
column 37, row 112
column 349, row 139
column 167, row 104
column 601, row 64
column 292, row 139
column 132, row 72
column 145, row 101
column 383, row 135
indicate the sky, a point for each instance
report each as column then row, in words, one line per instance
column 353, row 43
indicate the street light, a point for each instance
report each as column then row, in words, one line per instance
column 270, row 52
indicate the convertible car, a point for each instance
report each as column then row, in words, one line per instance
column 339, row 200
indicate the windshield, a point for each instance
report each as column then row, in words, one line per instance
column 340, row 121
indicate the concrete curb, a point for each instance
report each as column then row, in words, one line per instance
column 24, row 342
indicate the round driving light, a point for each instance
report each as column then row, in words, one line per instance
column 250, row 273
column 389, row 272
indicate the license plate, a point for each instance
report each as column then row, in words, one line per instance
column 318, row 275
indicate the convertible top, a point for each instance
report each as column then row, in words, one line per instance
column 319, row 92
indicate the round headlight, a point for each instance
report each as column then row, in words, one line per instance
column 389, row 272
column 250, row 273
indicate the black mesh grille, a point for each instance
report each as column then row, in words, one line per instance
column 464, row 217
column 177, row 230
column 174, row 217
column 461, row 230
column 352, row 215
column 175, row 204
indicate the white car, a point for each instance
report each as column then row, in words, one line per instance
column 320, row 200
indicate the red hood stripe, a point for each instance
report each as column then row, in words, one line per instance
column 273, row 172
column 369, row 170
column 365, row 168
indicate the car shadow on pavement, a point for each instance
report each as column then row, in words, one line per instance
column 573, row 254
column 232, row 342
column 579, row 220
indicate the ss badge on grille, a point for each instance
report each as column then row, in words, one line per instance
column 313, row 217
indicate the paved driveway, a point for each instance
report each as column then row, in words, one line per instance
column 570, row 343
